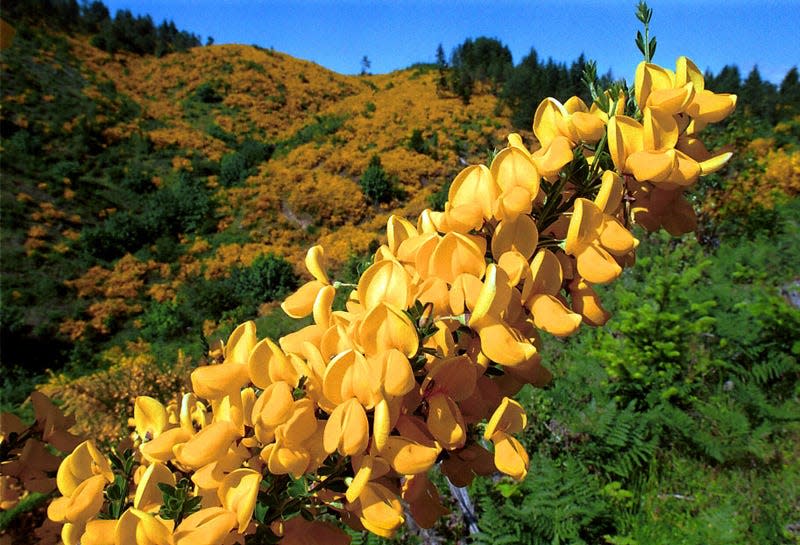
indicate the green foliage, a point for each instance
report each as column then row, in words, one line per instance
column 163, row 321
column 645, row 347
column 116, row 494
column 221, row 134
column 316, row 131
column 255, row 152
column 207, row 93
column 438, row 199
column 138, row 34
column 559, row 502
column 27, row 504
column 183, row 206
column 484, row 60
column 268, row 278
column 419, row 143
column 677, row 421
column 533, row 80
column 377, row 186
column 178, row 501
column 232, row 169
column 644, row 42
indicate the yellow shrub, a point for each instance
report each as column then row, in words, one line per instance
column 101, row 401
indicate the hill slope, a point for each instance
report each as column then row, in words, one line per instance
column 128, row 178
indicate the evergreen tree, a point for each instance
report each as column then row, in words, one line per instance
column 789, row 95
column 729, row 79
column 758, row 96
column 484, row 60
column 94, row 16
column 441, row 66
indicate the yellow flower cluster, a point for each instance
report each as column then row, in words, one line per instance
column 420, row 367
column 663, row 152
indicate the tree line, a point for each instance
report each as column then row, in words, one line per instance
column 523, row 86
column 124, row 32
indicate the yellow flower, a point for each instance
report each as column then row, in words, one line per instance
column 378, row 509
column 464, row 464
column 386, row 327
column 217, row 381
column 209, row 526
column 384, row 282
column 681, row 91
column 207, row 445
column 273, row 407
column 509, row 455
column 414, row 450
column 238, row 493
column 148, row 496
column 267, row 364
column 586, row 303
column 657, row 87
column 593, row 237
column 654, row 207
column 457, row 254
column 150, row 417
column 82, row 464
column 541, row 295
column 472, row 196
column 517, row 177
column 99, row 532
column 519, row 234
column 559, row 128
column 83, row 504
column 347, row 429
column 140, row 528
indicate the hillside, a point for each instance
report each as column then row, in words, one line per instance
column 231, row 152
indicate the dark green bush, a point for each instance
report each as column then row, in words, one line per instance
column 376, row 184
column 207, row 93
column 235, row 167
column 268, row 278
column 316, row 131
column 255, row 152
column 162, row 321
column 232, row 169
column 238, row 296
column 182, row 206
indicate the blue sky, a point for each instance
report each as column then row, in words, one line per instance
column 394, row 34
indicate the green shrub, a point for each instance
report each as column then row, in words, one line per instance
column 232, row 169
column 376, row 184
column 316, row 131
column 438, row 199
column 238, row 296
column 268, row 278
column 221, row 134
column 163, row 321
column 255, row 152
column 207, row 93
column 182, row 206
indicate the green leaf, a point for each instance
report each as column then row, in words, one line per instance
column 297, row 488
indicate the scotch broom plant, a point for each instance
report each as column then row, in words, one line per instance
column 341, row 422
